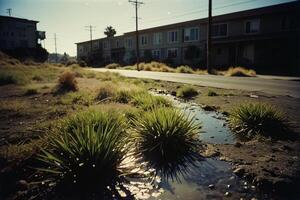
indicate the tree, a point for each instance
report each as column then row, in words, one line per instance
column 110, row 31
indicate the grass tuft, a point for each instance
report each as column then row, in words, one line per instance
column 167, row 139
column 113, row 66
column 186, row 92
column 258, row 119
column 211, row 93
column 67, row 82
column 147, row 101
column 185, row 69
column 87, row 152
column 240, row 71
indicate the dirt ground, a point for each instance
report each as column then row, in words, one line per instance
column 272, row 165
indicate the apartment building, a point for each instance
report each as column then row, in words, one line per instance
column 19, row 33
column 265, row 39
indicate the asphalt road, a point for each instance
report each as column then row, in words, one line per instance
column 274, row 85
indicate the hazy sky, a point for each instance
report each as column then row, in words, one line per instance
column 68, row 18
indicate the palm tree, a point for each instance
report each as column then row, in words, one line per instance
column 110, row 31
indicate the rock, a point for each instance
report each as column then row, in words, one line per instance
column 237, row 144
column 211, row 186
column 239, row 171
column 227, row 194
column 22, row 185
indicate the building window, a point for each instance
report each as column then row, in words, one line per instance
column 252, row 26
column 128, row 42
column 156, row 54
column 157, row 38
column 105, row 44
column 172, row 53
column 173, row 36
column 144, row 40
column 219, row 30
column 191, row 34
column 117, row 43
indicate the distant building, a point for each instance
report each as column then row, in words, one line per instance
column 19, row 33
column 265, row 39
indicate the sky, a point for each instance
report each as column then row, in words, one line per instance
column 69, row 18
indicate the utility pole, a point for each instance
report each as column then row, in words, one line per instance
column 209, row 68
column 137, row 3
column 56, row 59
column 90, row 28
column 9, row 11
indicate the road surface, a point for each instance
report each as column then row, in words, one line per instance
column 274, row 85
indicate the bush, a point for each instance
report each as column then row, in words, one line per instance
column 240, row 71
column 67, row 82
column 123, row 96
column 211, row 93
column 106, row 91
column 13, row 77
column 113, row 66
column 254, row 119
column 184, row 69
column 186, row 92
column 167, row 139
column 82, row 63
column 31, row 91
column 148, row 101
column 87, row 152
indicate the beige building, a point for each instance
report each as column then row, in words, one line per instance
column 18, row 33
column 266, row 39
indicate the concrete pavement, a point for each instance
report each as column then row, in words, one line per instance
column 274, row 85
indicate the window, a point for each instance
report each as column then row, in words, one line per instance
column 252, row 26
column 172, row 36
column 144, row 40
column 156, row 54
column 105, row 44
column 117, row 43
column 157, row 38
column 172, row 53
column 219, row 30
column 128, row 42
column 191, row 34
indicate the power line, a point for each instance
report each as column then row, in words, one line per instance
column 201, row 10
column 137, row 3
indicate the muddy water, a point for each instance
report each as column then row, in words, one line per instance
column 208, row 179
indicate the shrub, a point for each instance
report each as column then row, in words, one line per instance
column 67, row 82
column 106, row 91
column 167, row 139
column 240, row 71
column 113, row 66
column 184, row 69
column 123, row 96
column 31, row 91
column 82, row 63
column 186, row 92
column 148, row 101
column 211, row 93
column 87, row 152
column 253, row 119
column 81, row 98
column 13, row 77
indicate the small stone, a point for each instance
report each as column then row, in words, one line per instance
column 227, row 194
column 228, row 186
column 239, row 171
column 237, row 144
column 211, row 186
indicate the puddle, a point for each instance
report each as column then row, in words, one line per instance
column 214, row 126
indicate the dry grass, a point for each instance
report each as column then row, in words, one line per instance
column 240, row 71
column 113, row 66
column 185, row 69
column 152, row 66
column 67, row 82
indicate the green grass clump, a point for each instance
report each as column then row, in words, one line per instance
column 67, row 82
column 80, row 98
column 87, row 152
column 186, row 92
column 147, row 101
column 167, row 139
column 106, row 92
column 211, row 93
column 258, row 119
column 12, row 77
column 185, row 69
